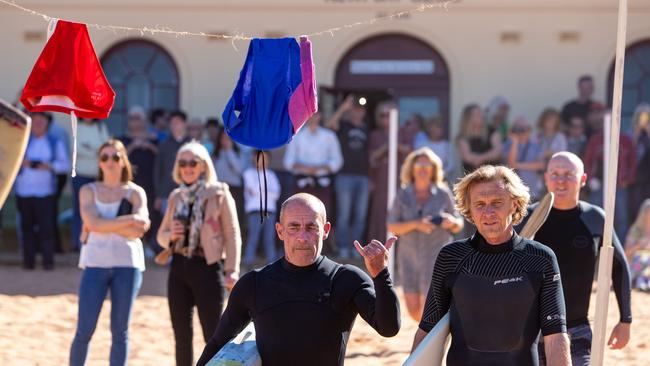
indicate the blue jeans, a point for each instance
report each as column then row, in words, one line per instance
column 255, row 228
column 580, row 337
column 620, row 210
column 124, row 284
column 352, row 205
column 77, row 182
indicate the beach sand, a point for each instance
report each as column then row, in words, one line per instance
column 38, row 312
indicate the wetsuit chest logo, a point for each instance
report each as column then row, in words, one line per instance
column 581, row 242
column 508, row 280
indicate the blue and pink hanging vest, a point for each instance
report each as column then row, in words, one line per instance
column 275, row 94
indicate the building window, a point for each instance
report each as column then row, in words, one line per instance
column 141, row 73
column 636, row 82
column 413, row 73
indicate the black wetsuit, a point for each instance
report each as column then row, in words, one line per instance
column 576, row 237
column 303, row 315
column 498, row 298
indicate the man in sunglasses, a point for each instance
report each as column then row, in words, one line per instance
column 304, row 305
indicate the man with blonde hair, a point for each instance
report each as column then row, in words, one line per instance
column 500, row 289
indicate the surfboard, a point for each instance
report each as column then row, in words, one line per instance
column 15, row 127
column 431, row 351
column 240, row 351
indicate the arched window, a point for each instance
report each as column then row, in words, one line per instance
column 409, row 69
column 636, row 83
column 141, row 73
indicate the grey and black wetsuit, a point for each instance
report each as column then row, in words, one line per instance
column 499, row 297
column 303, row 315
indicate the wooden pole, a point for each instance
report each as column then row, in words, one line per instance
column 607, row 251
column 393, row 126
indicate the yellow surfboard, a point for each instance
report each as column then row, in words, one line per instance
column 15, row 127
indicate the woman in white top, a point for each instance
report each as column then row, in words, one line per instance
column 433, row 137
column 115, row 216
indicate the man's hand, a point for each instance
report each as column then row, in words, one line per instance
column 230, row 280
column 348, row 103
column 620, row 336
column 375, row 255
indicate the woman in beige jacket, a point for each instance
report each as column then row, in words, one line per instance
column 200, row 228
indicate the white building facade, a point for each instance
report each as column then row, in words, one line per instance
column 432, row 62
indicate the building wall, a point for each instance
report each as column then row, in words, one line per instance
column 506, row 47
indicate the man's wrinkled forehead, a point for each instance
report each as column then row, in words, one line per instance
column 487, row 190
column 299, row 211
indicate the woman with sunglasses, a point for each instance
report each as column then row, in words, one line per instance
column 115, row 216
column 200, row 227
column 424, row 218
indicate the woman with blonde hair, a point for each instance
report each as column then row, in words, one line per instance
column 200, row 227
column 476, row 144
column 637, row 248
column 115, row 216
column 424, row 218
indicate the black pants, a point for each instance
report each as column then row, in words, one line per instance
column 192, row 282
column 38, row 229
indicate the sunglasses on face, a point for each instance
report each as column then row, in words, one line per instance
column 191, row 163
column 104, row 157
column 422, row 165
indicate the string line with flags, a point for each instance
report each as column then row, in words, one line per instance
column 427, row 6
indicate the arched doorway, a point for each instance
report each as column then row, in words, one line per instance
column 141, row 73
column 636, row 82
column 404, row 67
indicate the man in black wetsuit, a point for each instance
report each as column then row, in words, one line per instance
column 574, row 230
column 304, row 305
column 500, row 289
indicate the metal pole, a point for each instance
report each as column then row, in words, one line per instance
column 393, row 126
column 607, row 251
column 607, row 130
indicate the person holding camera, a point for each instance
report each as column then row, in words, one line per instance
column 36, row 188
column 424, row 218
column 526, row 156
column 200, row 227
column 115, row 217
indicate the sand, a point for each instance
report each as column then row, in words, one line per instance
column 38, row 312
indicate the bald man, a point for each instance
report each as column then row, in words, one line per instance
column 574, row 231
column 304, row 305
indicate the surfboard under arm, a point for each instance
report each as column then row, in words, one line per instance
column 431, row 350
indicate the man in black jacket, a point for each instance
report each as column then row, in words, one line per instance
column 574, row 231
column 304, row 305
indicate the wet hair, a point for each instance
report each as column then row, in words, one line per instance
column 511, row 182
